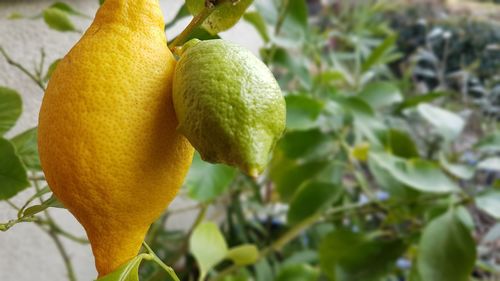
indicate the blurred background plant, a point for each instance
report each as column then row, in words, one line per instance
column 388, row 169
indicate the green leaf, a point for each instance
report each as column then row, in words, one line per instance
column 51, row 69
column 348, row 256
column 297, row 272
column 295, row 65
column 58, row 19
column 289, row 175
column 414, row 101
column 67, row 8
column 302, row 112
column 207, row 246
column 225, row 15
column 51, row 202
column 27, row 149
column 489, row 202
column 311, row 198
column 13, row 176
column 206, row 181
column 295, row 24
column 446, row 123
column 399, row 144
column 490, row 164
column 15, row 16
column 490, row 143
column 11, row 107
column 126, row 272
column 182, row 13
column 377, row 55
column 416, row 173
column 244, row 254
column 257, row 21
column 380, row 94
column 458, row 170
column 308, row 144
column 447, row 252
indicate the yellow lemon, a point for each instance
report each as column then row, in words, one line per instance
column 229, row 105
column 107, row 130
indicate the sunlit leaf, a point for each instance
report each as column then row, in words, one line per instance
column 126, row 272
column 223, row 17
column 58, row 19
column 380, row 94
column 446, row 123
column 419, row 174
column 244, row 254
column 489, row 202
column 207, row 246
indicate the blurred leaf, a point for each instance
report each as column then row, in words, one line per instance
column 419, row 174
column 348, row 256
column 378, row 54
column 51, row 69
column 58, row 19
column 302, row 112
column 399, row 144
column 414, row 101
column 306, row 144
column 489, row 202
column 223, row 17
column 297, row 272
column 447, row 252
column 206, row 181
column 257, row 21
column 490, row 143
column 263, row 271
column 458, row 170
column 207, row 246
column 244, row 254
column 490, row 164
column 13, row 176
column 182, row 13
column 380, row 94
column 293, row 64
column 289, row 175
column 15, row 16
column 67, row 8
column 310, row 198
column 294, row 26
column 365, row 119
column 27, row 149
column 126, row 272
column 11, row 107
column 446, row 123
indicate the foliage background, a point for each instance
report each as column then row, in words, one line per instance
column 389, row 167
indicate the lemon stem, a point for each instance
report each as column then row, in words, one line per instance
column 195, row 22
column 156, row 259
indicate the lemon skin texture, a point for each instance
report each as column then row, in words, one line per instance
column 107, row 130
column 228, row 103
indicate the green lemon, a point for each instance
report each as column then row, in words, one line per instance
column 228, row 104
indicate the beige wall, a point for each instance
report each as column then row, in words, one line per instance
column 27, row 253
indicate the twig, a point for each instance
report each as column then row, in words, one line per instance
column 195, row 22
column 10, row 61
column 156, row 259
column 53, row 234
